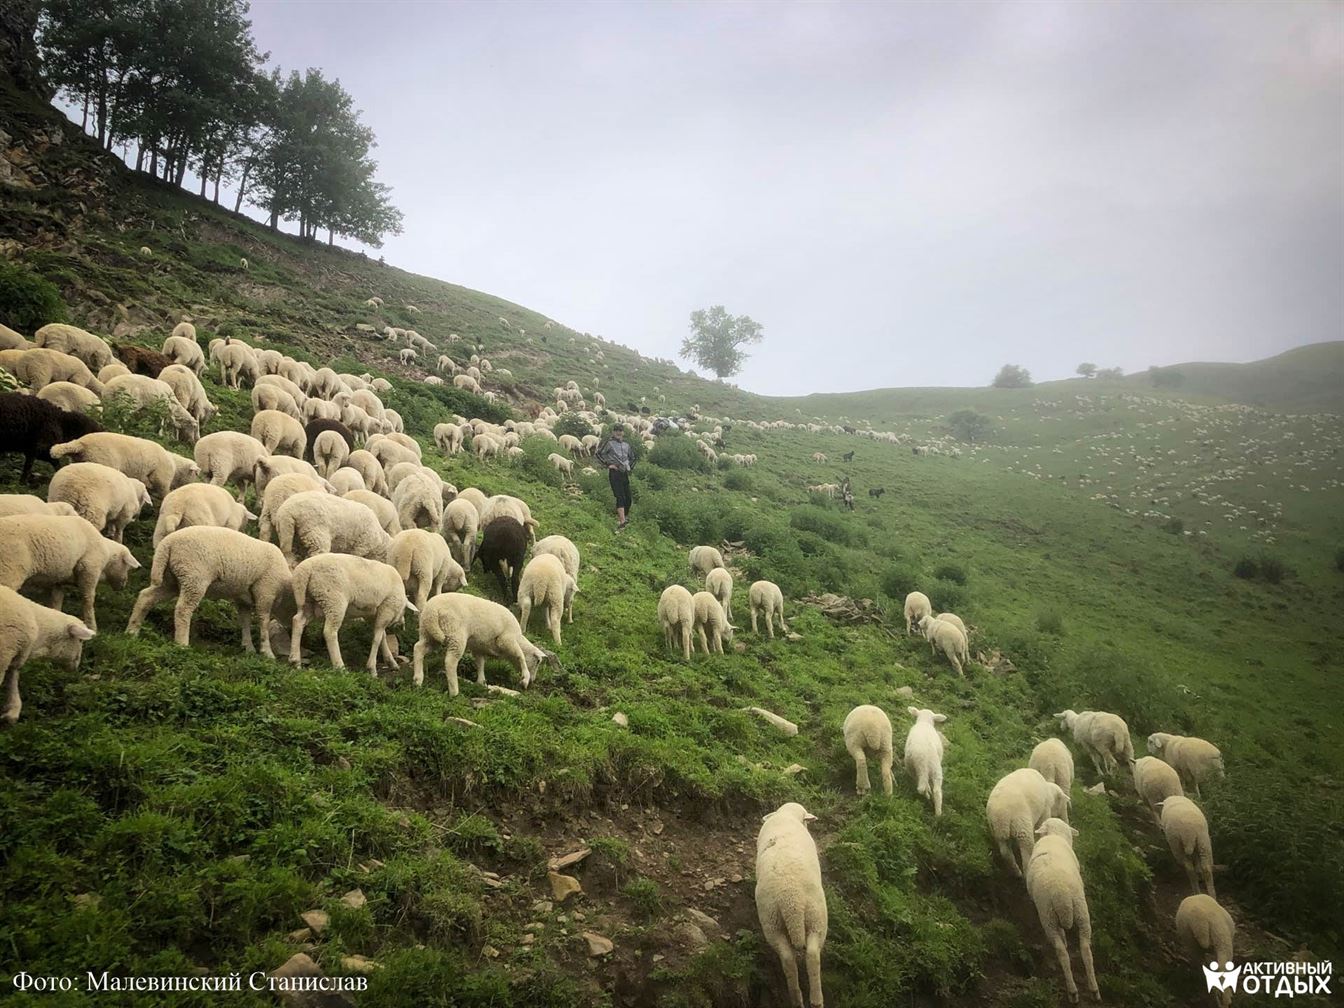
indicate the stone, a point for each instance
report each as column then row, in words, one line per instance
column 303, row 934
column 905, row 693
column 543, row 906
column 528, row 938
column 598, row 945
column 463, row 722
column 502, row 690
column 570, row 859
column 354, row 899
column 301, row 967
column 704, row 921
column 86, row 900
column 620, row 718
column 563, row 886
column 1096, row 789
column 358, row 964
column 490, row 952
column 794, row 769
column 689, row 935
column 316, row 919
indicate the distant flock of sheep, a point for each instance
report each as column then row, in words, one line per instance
column 352, row 524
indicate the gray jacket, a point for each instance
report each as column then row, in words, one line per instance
column 616, row 453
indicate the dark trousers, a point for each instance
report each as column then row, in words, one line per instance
column 620, row 486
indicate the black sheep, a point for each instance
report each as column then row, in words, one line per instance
column 31, row 426
column 142, row 360
column 877, row 491
column 315, row 427
column 848, row 456
column 502, row 549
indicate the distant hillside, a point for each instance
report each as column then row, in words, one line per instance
column 1307, row 379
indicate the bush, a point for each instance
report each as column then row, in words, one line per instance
column 677, row 451
column 1175, row 526
column 948, row 596
column 827, row 524
column 1246, row 568
column 1112, row 680
column 1272, row 569
column 1339, row 559
column 1050, row 622
column 741, row 481
column 901, row 578
column 27, row 301
column 951, row 572
column 572, row 423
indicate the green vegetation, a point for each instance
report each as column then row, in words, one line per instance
column 717, row 339
column 27, row 301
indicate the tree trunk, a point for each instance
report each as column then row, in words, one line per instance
column 84, row 122
column 217, row 177
column 204, row 175
column 242, row 188
column 139, row 157
column 102, row 113
column 154, row 160
column 329, row 236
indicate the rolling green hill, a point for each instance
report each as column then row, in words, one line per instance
column 167, row 811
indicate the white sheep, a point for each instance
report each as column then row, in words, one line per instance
column 425, row 565
column 1187, row 833
column 229, row 457
column 330, row 452
column 345, row 480
column 1193, row 758
column 55, row 551
column 184, row 349
column 1056, row 887
column 956, row 621
column 1104, row 737
column 461, row 520
column 208, row 561
column 273, row 466
column 69, row 396
column 381, row 507
column 448, row 437
column 766, row 599
column 109, row 371
column 561, row 463
column 287, row 385
column 719, row 583
column 1155, row 781
column 92, row 350
column 105, row 497
column 917, row 606
column 467, row 383
column 546, row 585
column 790, row 900
column 711, row 625
column 17, row 504
column 200, row 504
column 318, row 522
column 273, row 397
column 29, row 631
column 12, row 340
column 466, row 624
column 924, row 755
column 336, row 585
column 705, row 559
column 189, row 391
column 504, row 506
column 237, row 362
column 945, row 637
column 867, row 731
column 40, row 367
column 560, row 546
column 144, row 392
column 676, row 615
column 281, row 433
column 370, row 469
column 152, row 464
column 1206, row 931
column 419, row 501
column 1054, row 762
column 1017, row 805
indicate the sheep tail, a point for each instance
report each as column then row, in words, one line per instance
column 796, row 928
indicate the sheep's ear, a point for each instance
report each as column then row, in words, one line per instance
column 1041, row 830
column 411, row 606
column 251, row 516
column 135, row 564
column 809, row 817
column 80, row 632
column 939, row 718
column 914, row 711
column 1073, row 831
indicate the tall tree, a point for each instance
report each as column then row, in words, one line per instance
column 1012, row 376
column 717, row 339
column 1087, row 369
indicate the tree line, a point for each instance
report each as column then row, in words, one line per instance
column 183, row 82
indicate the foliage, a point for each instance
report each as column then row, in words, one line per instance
column 573, row 424
column 644, row 895
column 1012, row 376
column 969, row 425
column 1086, row 369
column 951, row 572
column 27, row 301
column 830, row 525
column 1165, row 377
column 1110, row 373
column 674, row 450
column 1264, row 567
column 717, row 339
column 1050, row 622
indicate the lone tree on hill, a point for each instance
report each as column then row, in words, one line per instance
column 1086, row 369
column 1013, row 376
column 1110, row 372
column 969, row 425
column 717, row 338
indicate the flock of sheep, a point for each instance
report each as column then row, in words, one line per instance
column 352, row 525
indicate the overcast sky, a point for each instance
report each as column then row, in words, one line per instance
column 901, row 194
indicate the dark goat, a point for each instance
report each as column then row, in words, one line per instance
column 502, row 549
column 877, row 491
column 142, row 360
column 315, row 427
column 848, row 456
column 31, row 426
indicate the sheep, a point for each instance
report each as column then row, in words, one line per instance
column 676, row 615
column 344, row 480
column 329, row 452
column 315, row 428
column 404, row 470
column 1017, row 805
column 237, row 362
column 1206, row 931
column 546, row 584
column 273, row 397
column 230, row 456
column 271, row 466
column 571, row 444
column 156, row 467
column 337, row 585
column 54, row 551
column 448, row 437
column 288, row 386
column 17, row 504
column 1104, row 737
column 504, row 506
column 475, row 496
column 108, row 499
column 30, row 631
column 709, row 619
column 1193, row 758
column 790, row 900
column 1054, row 762
column 11, row 340
column 945, row 637
column 92, row 350
column 370, row 469
column 467, row 383
column 36, row 368
column 425, row 565
column 503, row 546
column 561, row 464
column 208, row 561
column 1155, row 781
column 1187, row 833
column 560, row 546
column 719, row 583
column 200, row 504
column 278, row 489
column 184, row 350
column 321, row 409
column 68, row 396
column 956, row 621
column 867, row 730
column 419, row 501
column 705, row 559
column 467, row 624
column 1056, row 887
column 818, row 457
column 109, row 371
column 380, row 506
column 145, row 393
column 766, row 599
column 924, row 755
column 317, row 522
column 460, row 522
column 189, row 391
column 917, row 606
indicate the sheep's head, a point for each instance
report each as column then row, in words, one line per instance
column 1157, row 742
column 791, row 810
column 535, row 656
column 1059, row 801
column 1057, row 827
column 1066, row 718
column 926, row 715
column 119, row 566
column 925, row 622
column 66, row 648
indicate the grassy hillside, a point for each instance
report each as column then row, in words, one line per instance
column 169, row 810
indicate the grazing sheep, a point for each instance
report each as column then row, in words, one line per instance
column 40, row 367
column 272, row 466
column 945, row 637
column 818, row 457
column 561, row 464
column 142, row 360
column 156, row 467
column 380, row 506
column 184, row 350
column 466, row 624
column 344, row 480
column 68, row 396
column 1054, row 762
column 67, row 339
column 790, row 900
column 467, row 383
column 1193, row 758
column 504, row 506
column 109, row 371
column 503, row 547
column 924, row 755
column 766, row 598
column 917, row 606
column 318, row 522
column 17, row 504
column 1056, row 887
column 460, row 523
column 547, row 585
column 1155, row 781
column 425, row 565
column 956, row 621
column 278, row 489
column 288, row 386
column 56, row 551
column 200, row 504
column 329, row 452
column 230, row 457
column 273, row 397
column 560, row 546
column 279, row 432
column 370, row 469
column 710, row 620
column 336, row 585
column 1017, row 805
column 419, row 501
column 705, row 559
column 867, row 731
column 11, row 340
column 719, row 583
column 1187, row 833
column 1104, row 737
column 236, row 363
column 188, row 391
column 676, row 615
column 29, row 631
column 145, row 393
column 210, row 562
column 105, row 497
column 1206, row 931
column 448, row 437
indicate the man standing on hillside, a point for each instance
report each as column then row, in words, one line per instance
column 619, row 458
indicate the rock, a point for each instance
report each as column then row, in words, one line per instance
column 658, row 828
column 317, row 920
column 734, row 878
column 501, row 690
column 794, row 769
column 354, row 899
column 303, row 934
column 598, row 945
column 620, row 718
column 543, row 906
column 358, row 964
column 1096, row 789
column 659, row 957
column 463, row 722
column 563, row 886
column 301, row 968
column 704, row 921
column 574, row 857
column 689, row 935
column 783, row 724
column 528, row 938
column 86, row 900
column 905, row 693
column 490, row 952
column 342, row 763
column 374, row 864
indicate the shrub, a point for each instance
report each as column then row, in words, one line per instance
column 1339, row 559
column 1050, row 622
column 644, row 894
column 902, row 577
column 572, row 423
column 827, row 524
column 1272, row 569
column 741, row 481
column 1246, row 568
column 969, row 425
column 1112, row 680
column 948, row 596
column 677, row 451
column 951, row 572
column 27, row 301
column 1175, row 526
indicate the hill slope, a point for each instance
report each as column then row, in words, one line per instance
column 171, row 810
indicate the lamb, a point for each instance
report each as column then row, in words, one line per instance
column 1187, row 833
column 273, row 397
column 337, row 585
column 560, row 546
column 419, row 501
column 790, row 901
column 145, row 392
column 766, row 598
column 156, row 467
column 55, row 551
column 92, row 350
column 189, row 391
column 467, row 624
column 1206, row 931
column 818, row 457
column 184, row 350
column 314, row 428
column 425, row 565
column 547, row 585
column 318, row 522
column 230, row 456
column 1054, row 762
column 1017, row 805
column 503, row 546
column 945, row 637
column 279, row 489
column 208, row 561
column 142, row 360
column 924, row 755
column 705, row 559
column 106, row 498
column 344, row 480
column 676, row 615
column 29, row 631
column 1155, row 781
column 448, row 437
column 199, row 504
column 709, row 619
column 867, row 731
column 1104, row 737
column 36, row 368
column 1193, row 758
column 380, row 506
column 504, row 506
column 17, row 504
column 370, row 469
column 561, row 463
column 917, row 606
column 460, row 523
column 68, row 396
column 1056, row 887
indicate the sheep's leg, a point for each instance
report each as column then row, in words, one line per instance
column 13, row 702
column 861, row 782
column 753, row 622
column 418, row 666
column 884, row 761
column 553, row 621
column 245, row 628
column 716, row 640
column 450, row 660
column 379, row 635
column 388, row 656
column 331, row 632
column 1191, row 875
column 188, row 598
column 789, row 963
column 296, row 628
column 1085, row 953
column 525, row 613
column 1206, row 875
column 704, row 643
column 686, row 642
column 1056, row 937
column 88, row 578
column 1025, row 845
column 814, row 969
column 782, row 627
column 1006, row 852
column 145, row 601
